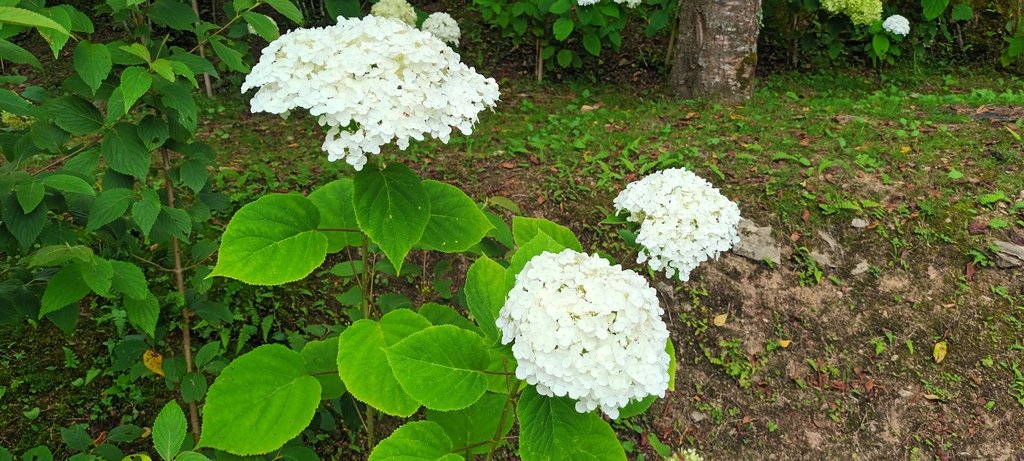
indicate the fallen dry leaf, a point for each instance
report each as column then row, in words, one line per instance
column 784, row 343
column 939, row 351
column 720, row 319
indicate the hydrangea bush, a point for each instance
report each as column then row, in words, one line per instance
column 547, row 335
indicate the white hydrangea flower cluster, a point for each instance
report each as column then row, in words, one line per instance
column 897, row 25
column 684, row 220
column 371, row 81
column 860, row 12
column 395, row 9
column 688, row 454
column 587, row 330
column 628, row 3
column 442, row 26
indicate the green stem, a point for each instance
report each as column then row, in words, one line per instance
column 366, row 289
column 340, row 229
column 504, row 409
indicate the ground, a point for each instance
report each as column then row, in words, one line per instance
column 896, row 183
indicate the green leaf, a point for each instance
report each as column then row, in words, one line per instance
column 193, row 387
column 272, row 241
column 562, row 28
column 135, row 82
column 17, row 55
column 564, row 57
column 143, row 313
column 441, row 366
column 934, row 8
column 476, row 423
column 346, row 8
column 56, row 255
column 146, row 211
column 880, row 43
column 363, row 363
column 962, row 12
column 392, row 208
column 193, row 456
column 30, row 194
column 124, row 152
column 322, row 363
column 439, row 314
column 56, row 39
column 163, row 68
column 137, row 50
column 23, row 17
column 169, row 431
column 66, row 287
column 260, row 401
column 334, row 200
column 287, row 9
column 77, row 116
column 230, row 56
column 68, row 183
column 552, row 429
column 263, row 25
column 24, row 227
column 98, row 274
column 485, row 294
column 560, row 6
column 416, row 441
column 129, row 280
column 153, row 131
column 194, row 174
column 525, row 229
column 173, row 14
column 456, row 224
column 540, row 244
column 92, row 63
column 592, row 43
column 108, row 206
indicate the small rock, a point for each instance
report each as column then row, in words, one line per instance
column 697, row 416
column 822, row 259
column 756, row 243
column 859, row 223
column 860, row 268
column 1009, row 254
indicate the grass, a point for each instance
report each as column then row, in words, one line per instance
column 932, row 164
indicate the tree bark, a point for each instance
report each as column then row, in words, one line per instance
column 716, row 51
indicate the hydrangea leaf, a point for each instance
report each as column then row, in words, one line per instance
column 539, row 244
column 260, row 401
column 525, row 229
column 551, row 429
column 169, row 431
column 456, row 223
column 416, row 441
column 476, row 423
column 271, row 241
column 321, row 362
column 485, row 291
column 334, row 200
column 363, row 362
column 441, row 366
column 393, row 209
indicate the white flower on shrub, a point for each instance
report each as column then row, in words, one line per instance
column 688, row 454
column 587, row 330
column 628, row 3
column 395, row 9
column 371, row 81
column 897, row 25
column 684, row 220
column 442, row 26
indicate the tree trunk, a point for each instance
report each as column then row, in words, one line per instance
column 716, row 51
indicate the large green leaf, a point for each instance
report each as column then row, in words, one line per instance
column 346, row 8
column 30, row 194
column 262, row 25
column 456, row 223
column 68, row 183
column 541, row 243
column 485, row 291
column 551, row 429
column 392, row 208
column 17, row 55
column 24, row 226
column 108, row 206
column 272, row 241
column 98, row 274
column 146, row 211
column 934, row 8
column 525, row 229
column 260, row 401
column 174, row 14
column 124, row 152
column 363, row 362
column 322, row 363
column 169, row 431
column 287, row 9
column 441, row 366
column 477, row 423
column 129, row 280
column 334, row 200
column 228, row 55
column 66, row 287
column 562, row 28
column 416, row 441
column 92, row 63
column 76, row 115
column 23, row 17
column 880, row 43
column 143, row 313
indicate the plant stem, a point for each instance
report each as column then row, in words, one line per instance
column 179, row 281
column 202, row 54
column 366, row 286
column 504, row 409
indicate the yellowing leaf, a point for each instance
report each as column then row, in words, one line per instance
column 939, row 351
column 932, row 397
column 720, row 319
column 154, row 361
column 784, row 343
column 904, row 149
